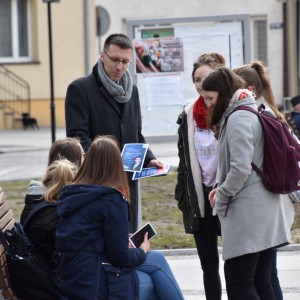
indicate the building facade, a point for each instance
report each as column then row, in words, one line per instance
column 79, row 28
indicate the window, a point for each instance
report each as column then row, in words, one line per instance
column 260, row 41
column 14, row 31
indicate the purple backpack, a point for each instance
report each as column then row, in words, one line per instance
column 281, row 164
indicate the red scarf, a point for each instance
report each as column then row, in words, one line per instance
column 200, row 113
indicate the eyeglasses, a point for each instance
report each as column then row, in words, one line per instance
column 116, row 61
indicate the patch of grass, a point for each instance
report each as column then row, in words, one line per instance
column 158, row 206
column 15, row 192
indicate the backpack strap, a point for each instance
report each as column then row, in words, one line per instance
column 244, row 107
column 36, row 209
column 4, row 243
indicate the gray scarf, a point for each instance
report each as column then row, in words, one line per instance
column 122, row 91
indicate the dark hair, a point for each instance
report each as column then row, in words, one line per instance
column 213, row 60
column 226, row 83
column 256, row 76
column 68, row 148
column 103, row 165
column 118, row 39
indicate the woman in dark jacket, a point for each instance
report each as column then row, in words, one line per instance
column 42, row 225
column 92, row 259
column 196, row 176
column 69, row 148
column 65, row 157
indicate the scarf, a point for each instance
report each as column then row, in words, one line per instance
column 240, row 94
column 200, row 113
column 120, row 92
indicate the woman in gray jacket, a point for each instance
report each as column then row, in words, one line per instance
column 257, row 80
column 255, row 222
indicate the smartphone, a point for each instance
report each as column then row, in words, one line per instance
column 137, row 238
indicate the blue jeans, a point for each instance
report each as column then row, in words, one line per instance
column 156, row 280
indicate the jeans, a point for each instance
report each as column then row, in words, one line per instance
column 248, row 277
column 207, row 246
column 156, row 280
column 274, row 278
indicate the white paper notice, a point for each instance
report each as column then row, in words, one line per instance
column 163, row 90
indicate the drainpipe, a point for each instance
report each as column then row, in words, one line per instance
column 86, row 36
column 291, row 47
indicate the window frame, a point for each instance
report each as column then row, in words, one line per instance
column 16, row 58
column 254, row 49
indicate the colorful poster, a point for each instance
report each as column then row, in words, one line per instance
column 159, row 55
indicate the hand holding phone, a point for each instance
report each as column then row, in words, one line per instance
column 137, row 238
column 145, row 245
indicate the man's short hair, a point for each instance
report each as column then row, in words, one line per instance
column 295, row 100
column 118, row 39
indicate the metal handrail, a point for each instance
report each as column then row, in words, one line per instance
column 14, row 92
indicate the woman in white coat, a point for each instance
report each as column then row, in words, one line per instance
column 254, row 223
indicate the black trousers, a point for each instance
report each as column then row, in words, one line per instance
column 134, row 204
column 248, row 277
column 274, row 278
column 207, row 246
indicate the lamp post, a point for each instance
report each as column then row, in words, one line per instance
column 52, row 102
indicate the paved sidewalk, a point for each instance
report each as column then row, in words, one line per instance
column 23, row 156
column 189, row 275
column 187, row 270
column 24, row 153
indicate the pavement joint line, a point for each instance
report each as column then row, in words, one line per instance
column 193, row 251
column 21, row 150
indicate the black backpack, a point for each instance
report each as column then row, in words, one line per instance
column 29, row 271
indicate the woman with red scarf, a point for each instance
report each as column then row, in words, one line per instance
column 196, row 176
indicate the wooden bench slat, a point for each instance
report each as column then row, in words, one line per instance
column 2, row 258
column 9, row 294
column 6, row 219
column 2, row 195
column 6, row 222
column 4, row 207
column 4, row 283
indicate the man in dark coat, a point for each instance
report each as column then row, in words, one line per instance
column 106, row 102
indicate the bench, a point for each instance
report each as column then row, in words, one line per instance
column 6, row 222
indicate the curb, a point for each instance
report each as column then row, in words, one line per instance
column 193, row 251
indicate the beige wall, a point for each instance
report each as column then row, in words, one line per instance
column 68, row 54
column 41, row 110
column 69, row 47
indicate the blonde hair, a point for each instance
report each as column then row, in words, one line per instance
column 58, row 174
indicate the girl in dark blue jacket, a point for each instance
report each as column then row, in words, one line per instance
column 92, row 259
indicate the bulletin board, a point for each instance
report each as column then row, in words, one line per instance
column 165, row 50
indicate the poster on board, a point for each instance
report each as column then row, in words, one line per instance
column 164, row 94
column 164, row 66
column 159, row 55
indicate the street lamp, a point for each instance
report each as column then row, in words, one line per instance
column 52, row 103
